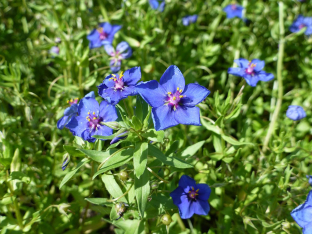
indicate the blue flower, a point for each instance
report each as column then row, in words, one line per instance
column 300, row 23
column 295, row 113
column 119, row 137
column 102, row 35
column 251, row 71
column 117, row 87
column 191, row 198
column 123, row 51
column 90, row 119
column 233, row 10
column 303, row 213
column 54, row 50
column 71, row 111
column 157, row 5
column 171, row 100
column 187, row 20
column 310, row 179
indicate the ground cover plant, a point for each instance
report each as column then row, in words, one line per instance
column 154, row 116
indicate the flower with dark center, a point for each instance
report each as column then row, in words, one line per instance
column 123, row 51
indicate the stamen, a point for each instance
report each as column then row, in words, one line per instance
column 192, row 188
column 93, row 113
column 71, row 100
column 197, row 190
column 174, row 98
column 181, row 96
column 180, row 90
column 67, row 101
column 121, row 75
column 89, row 113
column 169, row 93
column 94, row 117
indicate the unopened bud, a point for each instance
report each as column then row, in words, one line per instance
column 121, row 208
column 123, row 175
column 166, row 219
column 166, row 172
column 114, row 125
column 154, row 185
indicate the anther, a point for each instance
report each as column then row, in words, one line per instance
column 94, row 117
column 169, row 93
column 181, row 96
column 174, row 98
column 180, row 90
column 89, row 113
column 93, row 113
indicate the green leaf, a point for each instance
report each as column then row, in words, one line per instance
column 142, row 191
column 112, row 187
column 191, row 150
column 119, row 159
column 5, row 161
column 140, row 158
column 153, row 135
column 136, row 123
column 69, row 175
column 73, row 151
column 211, row 127
column 173, row 148
column 171, row 161
column 20, row 176
column 233, row 141
column 97, row 201
column 98, row 156
column 141, row 108
column 130, row 226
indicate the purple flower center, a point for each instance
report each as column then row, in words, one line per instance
column 119, row 84
column 174, row 98
column 94, row 121
column 233, row 7
column 72, row 101
column 192, row 194
column 103, row 35
column 250, row 68
column 302, row 26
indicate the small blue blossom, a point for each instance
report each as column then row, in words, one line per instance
column 116, row 87
column 55, row 50
column 71, row 111
column 295, row 113
column 302, row 22
column 233, row 10
column 251, row 71
column 90, row 119
column 123, row 51
column 102, row 35
column 157, row 5
column 171, row 100
column 191, row 198
column 310, row 179
column 302, row 215
column 190, row 19
column 119, row 137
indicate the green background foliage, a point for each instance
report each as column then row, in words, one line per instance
column 254, row 186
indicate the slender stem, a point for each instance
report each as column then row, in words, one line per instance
column 16, row 208
column 115, row 199
column 103, row 11
column 180, row 222
column 163, row 180
column 80, row 81
column 190, row 225
column 279, row 77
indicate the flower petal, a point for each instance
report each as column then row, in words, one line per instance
column 122, row 46
column 203, row 192
column 172, row 79
column 77, row 125
column 194, row 94
column 236, row 71
column 200, row 207
column 88, row 105
column 91, row 94
column 307, row 229
column 115, row 65
column 152, row 92
column 186, row 183
column 94, row 38
column 109, row 49
column 73, row 109
column 132, row 76
column 263, row 76
column 108, row 112
column 102, row 131
column 259, row 64
column 163, row 117
column 186, row 209
column 187, row 115
column 241, row 62
column 176, row 195
column 303, row 213
column 62, row 122
column 251, row 80
column 107, row 27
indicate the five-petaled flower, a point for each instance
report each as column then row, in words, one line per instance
column 116, row 87
column 102, row 35
column 302, row 215
column 171, row 100
column 71, row 111
column 302, row 22
column 157, row 5
column 191, row 198
column 251, row 71
column 91, row 118
column 295, row 113
column 190, row 19
column 233, row 10
column 123, row 51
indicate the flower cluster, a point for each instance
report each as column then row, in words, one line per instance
column 104, row 36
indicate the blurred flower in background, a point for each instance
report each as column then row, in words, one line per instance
column 302, row 22
column 102, row 35
column 233, row 10
column 187, row 20
column 54, row 51
column 157, row 5
column 295, row 113
column 123, row 51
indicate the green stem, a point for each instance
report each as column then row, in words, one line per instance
column 279, row 77
column 180, row 222
column 16, row 208
column 190, row 225
column 103, row 10
column 80, row 81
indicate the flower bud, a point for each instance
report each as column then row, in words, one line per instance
column 121, row 208
column 166, row 172
column 114, row 125
column 123, row 175
column 166, row 219
column 65, row 161
column 119, row 137
column 154, row 185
